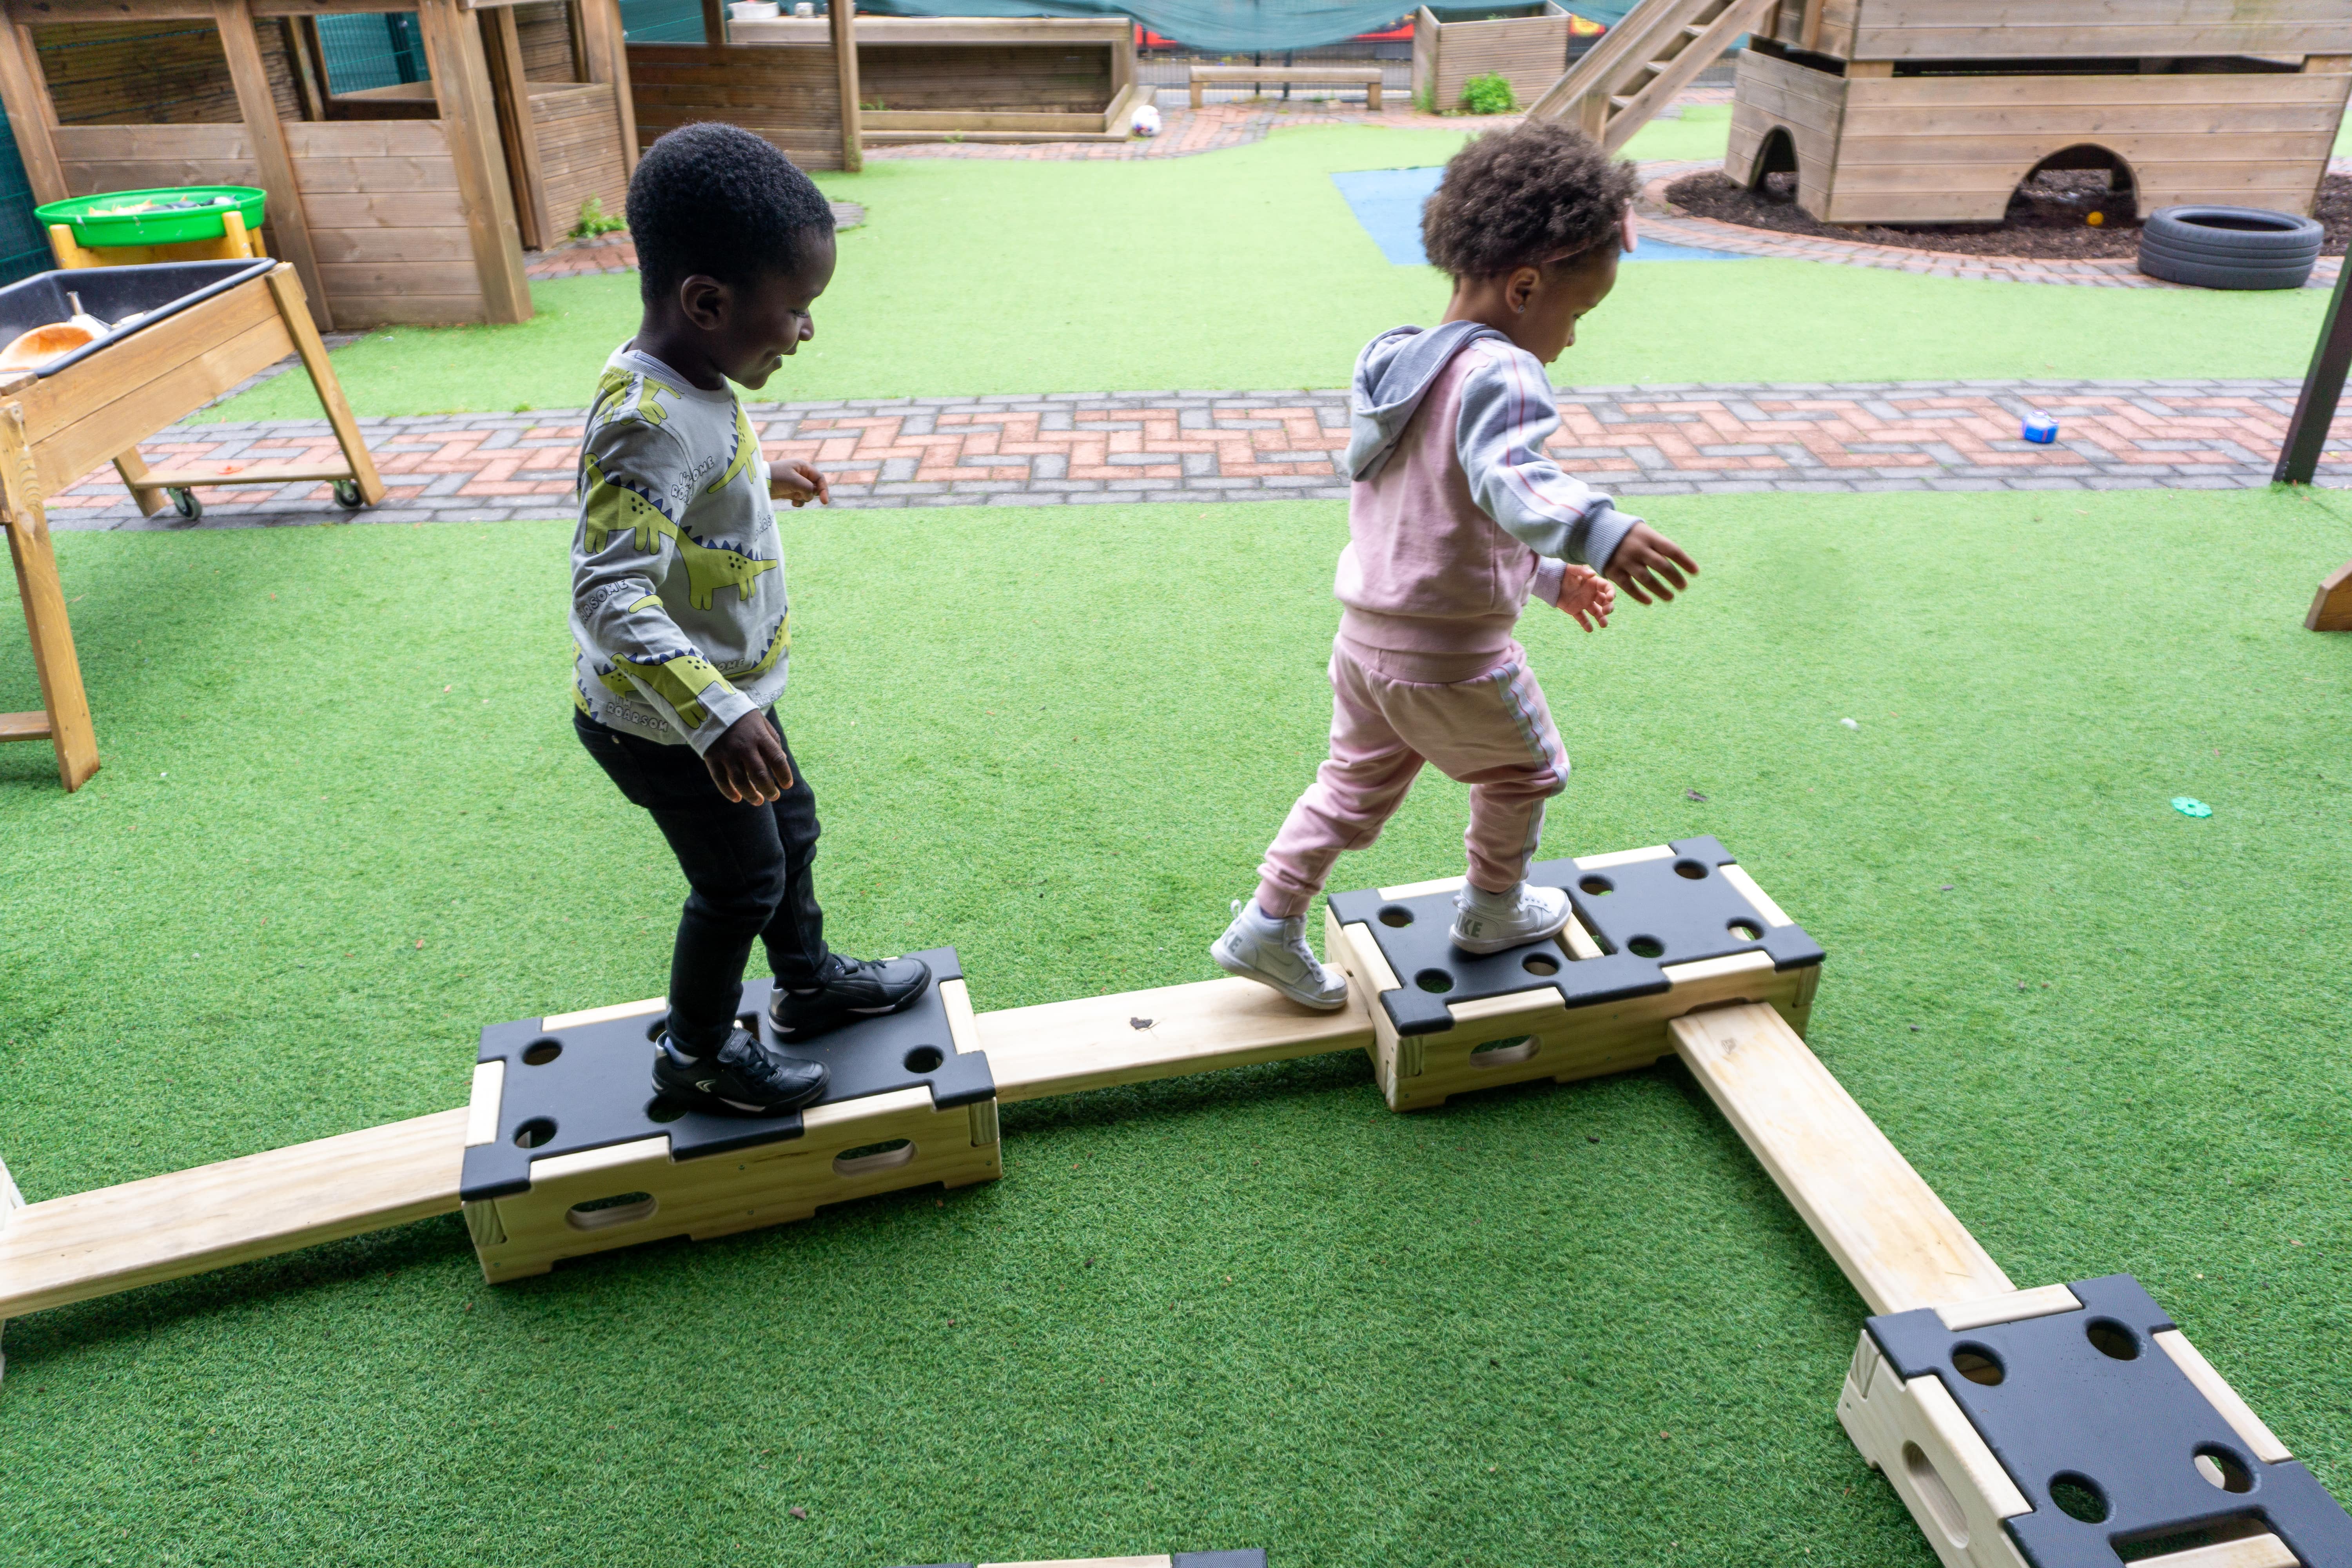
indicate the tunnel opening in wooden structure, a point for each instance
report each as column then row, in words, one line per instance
column 1931, row 112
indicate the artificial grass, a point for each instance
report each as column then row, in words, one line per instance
column 342, row 825
column 1245, row 270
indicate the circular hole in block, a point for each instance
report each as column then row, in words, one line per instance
column 1942, row 1506
column 1646, row 947
column 1434, row 979
column 1395, row 915
column 1598, row 885
column 868, row 1158
column 2112, row 1339
column 1746, row 931
column 2224, row 1469
column 2078, row 1497
column 664, row 1110
column 534, row 1132
column 1978, row 1365
column 539, row 1053
column 1690, row 869
column 1505, row 1052
column 925, row 1059
column 1541, row 963
column 601, row 1214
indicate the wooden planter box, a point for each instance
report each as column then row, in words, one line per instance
column 980, row 78
column 1934, row 110
column 1530, row 49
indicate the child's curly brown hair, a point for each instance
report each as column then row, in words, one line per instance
column 1523, row 196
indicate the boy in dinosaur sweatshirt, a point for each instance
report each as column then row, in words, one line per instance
column 680, row 622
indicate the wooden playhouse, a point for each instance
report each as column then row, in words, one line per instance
column 412, row 201
column 1526, row 44
column 1936, row 111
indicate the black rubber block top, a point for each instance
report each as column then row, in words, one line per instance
column 1649, row 914
column 2101, row 1431
column 591, row 1085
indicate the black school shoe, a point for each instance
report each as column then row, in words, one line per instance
column 855, row 989
column 745, row 1078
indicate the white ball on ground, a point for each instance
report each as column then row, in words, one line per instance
column 1147, row 120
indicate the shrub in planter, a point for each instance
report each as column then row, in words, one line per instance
column 1489, row 94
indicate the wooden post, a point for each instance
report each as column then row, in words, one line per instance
column 31, row 115
column 2331, row 607
column 842, row 14
column 461, row 86
column 577, row 32
column 714, row 24
column 286, row 289
column 67, row 707
column 303, row 63
column 511, row 93
column 607, row 51
column 271, row 156
column 2323, row 388
column 1810, row 35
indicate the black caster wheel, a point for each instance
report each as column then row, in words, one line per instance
column 347, row 494
column 186, row 503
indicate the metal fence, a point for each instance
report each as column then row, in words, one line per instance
column 661, row 21
column 372, row 49
column 24, row 243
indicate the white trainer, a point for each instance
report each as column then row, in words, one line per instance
column 1489, row 922
column 1274, row 953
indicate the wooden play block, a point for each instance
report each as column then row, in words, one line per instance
column 1651, row 941
column 911, row 1105
column 2331, row 606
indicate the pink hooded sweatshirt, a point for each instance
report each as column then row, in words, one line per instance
column 1457, row 513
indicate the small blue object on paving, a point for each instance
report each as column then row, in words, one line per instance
column 1387, row 203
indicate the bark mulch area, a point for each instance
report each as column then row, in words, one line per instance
column 2047, row 218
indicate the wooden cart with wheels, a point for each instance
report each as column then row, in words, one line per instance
column 59, row 422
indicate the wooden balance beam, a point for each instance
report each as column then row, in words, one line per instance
column 2064, row 1418
column 1366, row 77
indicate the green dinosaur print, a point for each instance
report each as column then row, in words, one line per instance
column 649, row 409
column 610, row 508
column 710, row 569
column 747, row 446
column 778, row 645
column 679, row 681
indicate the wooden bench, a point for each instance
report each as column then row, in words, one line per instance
column 1366, row 77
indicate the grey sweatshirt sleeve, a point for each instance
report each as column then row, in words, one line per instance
column 1508, row 413
column 635, row 479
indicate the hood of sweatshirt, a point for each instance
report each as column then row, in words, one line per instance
column 1392, row 376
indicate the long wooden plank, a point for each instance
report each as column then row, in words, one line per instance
column 841, row 18
column 286, row 289
column 518, row 127
column 1095, row 1042
column 32, row 118
column 1885, row 1226
column 164, row 1227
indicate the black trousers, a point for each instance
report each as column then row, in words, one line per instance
column 748, row 870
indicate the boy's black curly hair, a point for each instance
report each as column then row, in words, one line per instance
column 715, row 199
column 1520, row 197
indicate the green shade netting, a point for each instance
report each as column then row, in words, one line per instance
column 1220, row 26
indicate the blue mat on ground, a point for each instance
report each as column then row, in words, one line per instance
column 1387, row 203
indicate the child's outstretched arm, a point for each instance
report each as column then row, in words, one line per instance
column 1508, row 411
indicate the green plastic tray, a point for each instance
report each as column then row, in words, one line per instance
column 161, row 225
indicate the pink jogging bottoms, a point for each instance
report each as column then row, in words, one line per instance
column 1494, row 733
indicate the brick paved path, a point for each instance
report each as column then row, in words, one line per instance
column 1199, row 447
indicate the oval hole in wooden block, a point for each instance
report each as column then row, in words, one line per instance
column 1978, row 1365
column 1597, row 886
column 539, row 1053
column 2224, row 1469
column 621, row 1208
column 534, row 1132
column 1434, row 979
column 1691, row 869
column 1541, row 963
column 868, row 1158
column 1941, row 1505
column 1505, row 1052
column 1395, row 915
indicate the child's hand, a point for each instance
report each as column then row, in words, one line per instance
column 748, row 762
column 1645, row 563
column 798, row 483
column 1587, row 596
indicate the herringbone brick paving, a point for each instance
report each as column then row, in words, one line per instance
column 1075, row 448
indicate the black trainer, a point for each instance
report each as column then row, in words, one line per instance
column 745, row 1078
column 855, row 989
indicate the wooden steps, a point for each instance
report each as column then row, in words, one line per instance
column 1638, row 68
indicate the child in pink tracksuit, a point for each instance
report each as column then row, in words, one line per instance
column 1457, row 517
